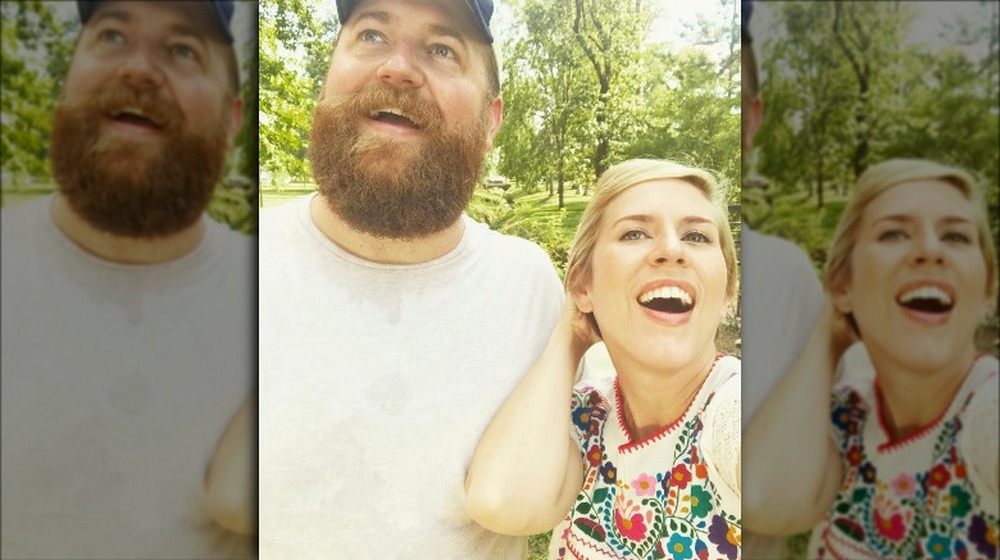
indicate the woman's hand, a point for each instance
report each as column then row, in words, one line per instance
column 575, row 328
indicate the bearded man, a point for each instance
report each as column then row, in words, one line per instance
column 127, row 336
column 392, row 325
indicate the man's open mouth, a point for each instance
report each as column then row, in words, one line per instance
column 393, row 116
column 926, row 299
column 667, row 299
column 135, row 116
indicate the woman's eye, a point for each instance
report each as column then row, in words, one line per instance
column 632, row 235
column 956, row 237
column 892, row 235
column 697, row 237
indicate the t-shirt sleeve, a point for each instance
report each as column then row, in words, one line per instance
column 978, row 441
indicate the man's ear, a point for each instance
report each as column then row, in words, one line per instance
column 753, row 115
column 495, row 120
column 235, row 120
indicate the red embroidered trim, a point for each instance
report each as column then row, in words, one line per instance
column 662, row 432
column 891, row 445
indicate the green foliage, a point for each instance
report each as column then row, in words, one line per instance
column 524, row 215
column 586, row 88
column 843, row 90
column 295, row 47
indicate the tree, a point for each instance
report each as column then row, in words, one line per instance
column 295, row 47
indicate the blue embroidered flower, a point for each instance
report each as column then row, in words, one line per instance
column 679, row 547
column 939, row 547
column 609, row 473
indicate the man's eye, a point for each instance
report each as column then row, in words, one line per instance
column 632, row 235
column 370, row 36
column 184, row 51
column 443, row 51
column 111, row 36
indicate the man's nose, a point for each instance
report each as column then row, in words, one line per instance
column 401, row 68
column 141, row 69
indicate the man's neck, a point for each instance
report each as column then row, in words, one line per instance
column 383, row 250
column 124, row 250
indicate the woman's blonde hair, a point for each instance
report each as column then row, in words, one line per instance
column 881, row 177
column 626, row 175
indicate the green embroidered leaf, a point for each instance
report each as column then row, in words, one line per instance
column 600, row 495
column 584, row 508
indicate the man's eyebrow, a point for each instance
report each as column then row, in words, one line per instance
column 125, row 17
column 380, row 16
column 438, row 29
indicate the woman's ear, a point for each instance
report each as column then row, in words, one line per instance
column 841, row 296
column 581, row 294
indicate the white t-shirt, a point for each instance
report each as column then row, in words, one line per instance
column 376, row 382
column 117, row 381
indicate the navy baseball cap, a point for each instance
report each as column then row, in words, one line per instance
column 747, row 13
column 482, row 11
column 221, row 9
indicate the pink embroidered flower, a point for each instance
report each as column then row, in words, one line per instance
column 644, row 485
column 680, row 476
column 632, row 528
column 904, row 485
column 890, row 527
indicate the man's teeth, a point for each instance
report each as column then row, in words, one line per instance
column 666, row 292
column 391, row 111
column 130, row 111
column 926, row 292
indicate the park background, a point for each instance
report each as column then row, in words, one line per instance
column 585, row 83
column 589, row 83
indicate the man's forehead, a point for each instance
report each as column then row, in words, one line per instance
column 191, row 18
column 453, row 17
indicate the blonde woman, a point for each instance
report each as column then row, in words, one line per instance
column 904, row 464
column 645, row 464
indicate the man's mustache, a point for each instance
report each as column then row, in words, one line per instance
column 121, row 101
column 377, row 97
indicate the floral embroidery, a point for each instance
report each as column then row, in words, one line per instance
column 984, row 536
column 938, row 477
column 903, row 485
column 630, row 527
column 701, row 501
column 609, row 473
column 644, row 485
column 721, row 534
column 631, row 510
column 679, row 547
column 933, row 513
column 680, row 476
column 594, row 455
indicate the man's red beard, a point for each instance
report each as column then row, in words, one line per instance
column 129, row 187
column 403, row 189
